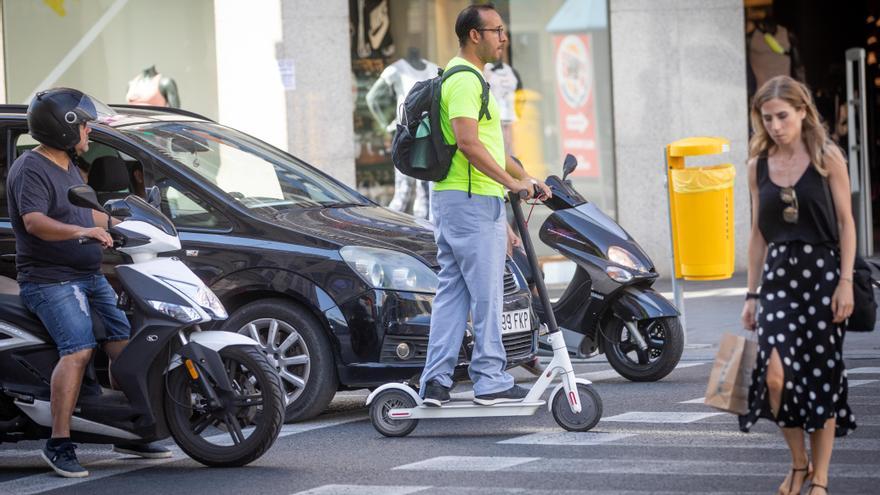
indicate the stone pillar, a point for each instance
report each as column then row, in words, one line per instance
column 678, row 70
column 315, row 46
column 2, row 61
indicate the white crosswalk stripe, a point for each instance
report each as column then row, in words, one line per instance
column 864, row 371
column 623, row 466
column 660, row 417
column 475, row 490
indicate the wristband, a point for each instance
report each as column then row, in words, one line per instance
column 752, row 295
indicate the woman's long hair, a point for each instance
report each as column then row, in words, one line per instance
column 797, row 95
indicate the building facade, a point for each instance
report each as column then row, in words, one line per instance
column 609, row 81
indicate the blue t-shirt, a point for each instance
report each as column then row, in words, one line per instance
column 36, row 184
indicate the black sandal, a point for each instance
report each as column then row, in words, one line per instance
column 807, row 475
column 816, row 485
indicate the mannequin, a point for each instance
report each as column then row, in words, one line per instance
column 392, row 86
column 771, row 50
column 503, row 83
column 152, row 88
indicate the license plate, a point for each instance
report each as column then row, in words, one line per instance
column 515, row 321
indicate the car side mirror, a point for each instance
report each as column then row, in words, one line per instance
column 84, row 197
column 568, row 165
column 154, row 197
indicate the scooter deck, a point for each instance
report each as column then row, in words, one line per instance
column 468, row 409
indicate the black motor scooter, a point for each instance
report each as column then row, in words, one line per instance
column 214, row 392
column 609, row 306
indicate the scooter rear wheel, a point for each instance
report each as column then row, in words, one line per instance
column 591, row 409
column 385, row 402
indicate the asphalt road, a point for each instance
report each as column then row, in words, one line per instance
column 654, row 438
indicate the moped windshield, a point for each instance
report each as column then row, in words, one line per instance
column 144, row 212
column 598, row 217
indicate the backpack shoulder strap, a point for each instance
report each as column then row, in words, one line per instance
column 484, row 97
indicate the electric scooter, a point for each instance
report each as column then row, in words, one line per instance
column 609, row 305
column 396, row 408
column 214, row 392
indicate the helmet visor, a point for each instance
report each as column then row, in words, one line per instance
column 89, row 109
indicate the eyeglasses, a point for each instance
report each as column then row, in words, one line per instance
column 499, row 30
column 789, row 197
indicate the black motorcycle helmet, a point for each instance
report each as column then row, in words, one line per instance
column 54, row 116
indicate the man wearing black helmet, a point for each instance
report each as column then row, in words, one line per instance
column 60, row 278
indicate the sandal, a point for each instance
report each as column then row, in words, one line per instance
column 816, row 485
column 808, row 475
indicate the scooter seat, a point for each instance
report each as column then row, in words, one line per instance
column 13, row 310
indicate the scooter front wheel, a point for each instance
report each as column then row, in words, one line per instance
column 591, row 409
column 383, row 404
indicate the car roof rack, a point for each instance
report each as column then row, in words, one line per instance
column 178, row 111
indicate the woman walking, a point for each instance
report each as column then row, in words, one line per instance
column 803, row 235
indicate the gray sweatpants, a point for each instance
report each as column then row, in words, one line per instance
column 471, row 240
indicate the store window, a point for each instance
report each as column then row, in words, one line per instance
column 557, row 73
column 158, row 51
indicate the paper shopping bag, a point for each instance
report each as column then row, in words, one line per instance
column 731, row 376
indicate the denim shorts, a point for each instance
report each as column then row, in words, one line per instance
column 66, row 308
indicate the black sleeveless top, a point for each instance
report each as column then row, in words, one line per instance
column 817, row 221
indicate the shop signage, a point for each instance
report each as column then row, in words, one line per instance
column 573, row 61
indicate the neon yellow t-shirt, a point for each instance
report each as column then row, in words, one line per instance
column 460, row 97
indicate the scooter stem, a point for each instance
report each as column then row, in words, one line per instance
column 533, row 261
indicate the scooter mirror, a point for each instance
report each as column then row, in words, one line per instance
column 568, row 165
column 84, row 197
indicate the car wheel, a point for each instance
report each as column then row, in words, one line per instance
column 297, row 347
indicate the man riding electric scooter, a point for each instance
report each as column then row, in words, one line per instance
column 60, row 277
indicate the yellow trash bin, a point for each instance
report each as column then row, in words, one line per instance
column 701, row 205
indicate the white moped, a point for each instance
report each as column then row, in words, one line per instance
column 396, row 408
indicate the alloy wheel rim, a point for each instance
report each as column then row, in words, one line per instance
column 286, row 351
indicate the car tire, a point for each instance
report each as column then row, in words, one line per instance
column 304, row 362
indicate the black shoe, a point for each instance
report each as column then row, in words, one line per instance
column 63, row 460
column 145, row 450
column 435, row 394
column 513, row 394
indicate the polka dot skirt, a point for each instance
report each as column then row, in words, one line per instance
column 795, row 319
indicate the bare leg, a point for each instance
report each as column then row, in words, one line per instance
column 113, row 349
column 66, row 380
column 821, row 443
column 794, row 437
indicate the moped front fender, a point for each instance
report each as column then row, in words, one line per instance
column 635, row 304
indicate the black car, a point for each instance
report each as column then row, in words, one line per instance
column 336, row 288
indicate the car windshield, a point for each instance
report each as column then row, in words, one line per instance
column 251, row 172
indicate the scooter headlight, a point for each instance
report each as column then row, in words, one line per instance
column 202, row 296
column 179, row 312
column 623, row 257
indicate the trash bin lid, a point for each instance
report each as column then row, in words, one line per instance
column 701, row 145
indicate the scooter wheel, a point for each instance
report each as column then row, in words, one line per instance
column 383, row 404
column 591, row 409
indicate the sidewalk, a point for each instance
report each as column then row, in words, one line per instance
column 713, row 308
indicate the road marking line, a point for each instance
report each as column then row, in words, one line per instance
column 472, row 490
column 598, row 376
column 857, row 383
column 121, row 464
column 363, row 490
column 567, row 438
column 864, row 371
column 660, row 417
column 674, row 467
column 466, row 463
column 698, row 400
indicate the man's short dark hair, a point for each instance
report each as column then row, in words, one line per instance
column 468, row 19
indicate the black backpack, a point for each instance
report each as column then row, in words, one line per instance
column 418, row 149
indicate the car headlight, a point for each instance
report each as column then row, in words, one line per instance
column 202, row 296
column 185, row 314
column 624, row 258
column 387, row 269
